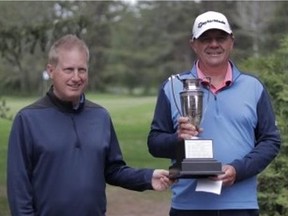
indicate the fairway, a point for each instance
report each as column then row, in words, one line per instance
column 131, row 117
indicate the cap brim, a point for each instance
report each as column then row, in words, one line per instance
column 229, row 31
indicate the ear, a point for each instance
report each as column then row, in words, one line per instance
column 50, row 69
column 192, row 45
column 232, row 43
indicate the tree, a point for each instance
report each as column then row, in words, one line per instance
column 131, row 46
column 101, row 16
column 275, row 27
column 252, row 18
column 273, row 71
column 19, row 41
column 149, row 43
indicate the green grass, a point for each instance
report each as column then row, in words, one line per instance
column 131, row 117
column 4, row 131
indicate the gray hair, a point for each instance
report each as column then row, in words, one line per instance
column 66, row 42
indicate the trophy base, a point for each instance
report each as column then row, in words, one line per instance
column 196, row 168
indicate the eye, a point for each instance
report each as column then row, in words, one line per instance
column 82, row 70
column 221, row 38
column 68, row 70
column 205, row 39
column 218, row 39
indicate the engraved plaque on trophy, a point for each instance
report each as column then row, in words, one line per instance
column 194, row 156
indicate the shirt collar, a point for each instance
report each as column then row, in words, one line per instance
column 206, row 80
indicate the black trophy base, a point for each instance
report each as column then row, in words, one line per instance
column 196, row 168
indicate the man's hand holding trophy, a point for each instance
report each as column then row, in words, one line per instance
column 194, row 155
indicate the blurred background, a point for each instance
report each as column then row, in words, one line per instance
column 135, row 46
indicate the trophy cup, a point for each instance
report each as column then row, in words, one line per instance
column 194, row 156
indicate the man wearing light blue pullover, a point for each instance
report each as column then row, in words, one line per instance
column 238, row 118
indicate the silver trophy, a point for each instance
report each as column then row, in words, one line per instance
column 192, row 101
column 194, row 156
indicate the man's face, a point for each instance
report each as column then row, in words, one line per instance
column 213, row 47
column 70, row 75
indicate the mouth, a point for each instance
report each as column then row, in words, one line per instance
column 214, row 53
column 75, row 86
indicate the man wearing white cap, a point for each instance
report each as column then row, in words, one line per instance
column 237, row 116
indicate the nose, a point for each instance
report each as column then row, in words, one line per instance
column 75, row 75
column 214, row 42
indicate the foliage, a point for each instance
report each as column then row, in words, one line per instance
column 273, row 70
column 4, row 130
column 277, row 26
column 21, row 42
column 137, row 47
column 131, row 46
column 4, row 110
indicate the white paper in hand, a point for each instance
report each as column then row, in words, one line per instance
column 209, row 186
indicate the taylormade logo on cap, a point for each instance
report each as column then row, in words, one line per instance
column 210, row 20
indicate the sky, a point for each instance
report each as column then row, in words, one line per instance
column 132, row 2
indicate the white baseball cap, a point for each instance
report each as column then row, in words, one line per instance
column 210, row 20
